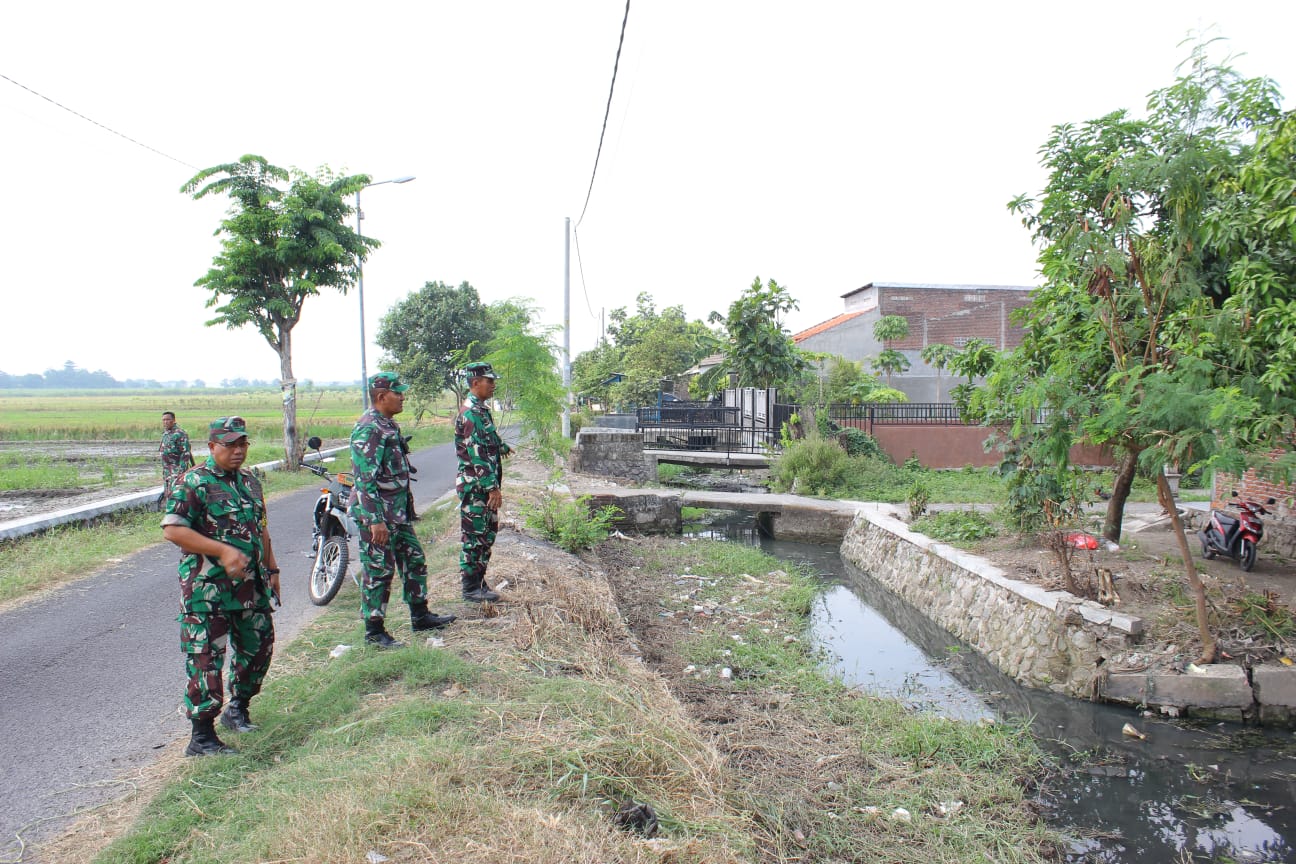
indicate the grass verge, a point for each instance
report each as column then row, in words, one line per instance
column 518, row 736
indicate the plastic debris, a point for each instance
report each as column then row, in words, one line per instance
column 339, row 651
column 375, row 857
column 900, row 814
column 726, row 673
column 1129, row 731
column 949, row 808
column 435, row 642
column 1081, row 540
column 1286, row 661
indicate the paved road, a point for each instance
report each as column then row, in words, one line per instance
column 91, row 676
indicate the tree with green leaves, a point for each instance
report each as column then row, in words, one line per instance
column 284, row 239
column 889, row 329
column 758, row 348
column 938, row 356
column 431, row 334
column 1132, row 341
column 524, row 354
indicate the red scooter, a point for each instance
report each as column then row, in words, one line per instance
column 1237, row 536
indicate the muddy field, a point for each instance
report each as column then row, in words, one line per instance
column 105, row 469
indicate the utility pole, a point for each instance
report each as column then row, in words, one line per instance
column 566, row 363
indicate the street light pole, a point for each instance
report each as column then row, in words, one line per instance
column 364, row 367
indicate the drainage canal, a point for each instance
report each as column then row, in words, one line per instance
column 1209, row 792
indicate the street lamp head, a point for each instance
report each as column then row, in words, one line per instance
column 402, row 179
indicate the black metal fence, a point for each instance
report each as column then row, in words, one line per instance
column 896, row 414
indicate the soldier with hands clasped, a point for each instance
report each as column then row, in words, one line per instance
column 216, row 514
column 383, row 507
column 481, row 472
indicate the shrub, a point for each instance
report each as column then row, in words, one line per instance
column 812, row 466
column 918, row 497
column 955, row 526
column 857, row 442
column 570, row 523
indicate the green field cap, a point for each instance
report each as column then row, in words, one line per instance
column 387, row 381
column 479, row 370
column 227, row 429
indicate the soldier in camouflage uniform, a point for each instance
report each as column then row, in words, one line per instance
column 177, row 458
column 383, row 508
column 481, row 473
column 217, row 516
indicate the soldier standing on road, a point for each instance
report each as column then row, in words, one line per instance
column 217, row 516
column 177, row 458
column 481, row 474
column 383, row 507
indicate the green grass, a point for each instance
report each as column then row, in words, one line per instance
column 955, row 526
column 519, row 738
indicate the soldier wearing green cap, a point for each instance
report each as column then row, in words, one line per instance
column 177, row 458
column 217, row 516
column 382, row 508
column 481, row 473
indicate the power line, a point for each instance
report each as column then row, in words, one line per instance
column 606, row 113
column 580, row 265
column 102, row 126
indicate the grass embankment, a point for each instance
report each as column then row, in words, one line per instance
column 71, row 552
column 519, row 739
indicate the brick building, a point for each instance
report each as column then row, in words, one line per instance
column 937, row 314
column 1280, row 526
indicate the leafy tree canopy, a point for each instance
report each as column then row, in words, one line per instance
column 759, row 350
column 284, row 239
column 431, row 333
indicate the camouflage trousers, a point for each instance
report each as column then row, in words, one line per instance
column 171, row 474
column 404, row 552
column 478, row 526
column 203, row 637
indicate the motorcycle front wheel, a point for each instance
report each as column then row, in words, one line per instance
column 329, row 570
column 1247, row 555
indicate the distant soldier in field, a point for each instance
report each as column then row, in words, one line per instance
column 481, row 473
column 217, row 516
column 177, row 457
column 383, row 508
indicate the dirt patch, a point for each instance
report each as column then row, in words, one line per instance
column 1149, row 576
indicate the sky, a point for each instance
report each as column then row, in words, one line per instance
column 825, row 145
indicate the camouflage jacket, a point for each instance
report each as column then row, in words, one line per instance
column 479, row 448
column 228, row 507
column 382, row 471
column 175, row 449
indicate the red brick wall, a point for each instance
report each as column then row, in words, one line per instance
column 1254, row 488
column 952, row 316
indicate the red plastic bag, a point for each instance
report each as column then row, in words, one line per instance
column 1081, row 540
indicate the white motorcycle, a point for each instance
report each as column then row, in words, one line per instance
column 333, row 531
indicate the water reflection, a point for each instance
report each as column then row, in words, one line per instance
column 1210, row 792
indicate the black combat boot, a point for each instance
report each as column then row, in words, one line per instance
column 377, row 636
column 422, row 619
column 203, row 740
column 477, row 591
column 236, row 717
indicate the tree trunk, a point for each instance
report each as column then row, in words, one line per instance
column 1120, row 494
column 287, row 384
column 1166, row 498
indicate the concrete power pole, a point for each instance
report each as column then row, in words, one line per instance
column 566, row 362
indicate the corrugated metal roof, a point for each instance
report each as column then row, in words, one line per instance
column 827, row 325
column 910, row 285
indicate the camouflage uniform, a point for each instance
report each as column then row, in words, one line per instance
column 215, row 609
column 480, row 451
column 176, row 458
column 382, row 495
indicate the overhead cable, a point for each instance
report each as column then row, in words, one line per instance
column 606, row 113
column 100, row 125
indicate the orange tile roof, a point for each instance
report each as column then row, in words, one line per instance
column 827, row 325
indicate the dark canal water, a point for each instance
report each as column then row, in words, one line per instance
column 1212, row 792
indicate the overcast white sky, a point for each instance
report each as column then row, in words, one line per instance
column 824, row 144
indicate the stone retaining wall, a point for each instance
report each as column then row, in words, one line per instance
column 1045, row 639
column 1050, row 639
column 610, row 453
